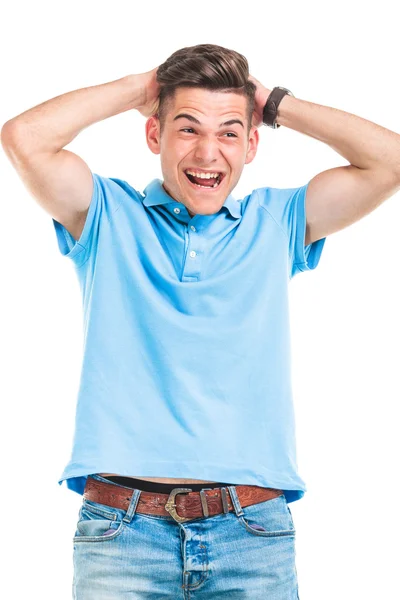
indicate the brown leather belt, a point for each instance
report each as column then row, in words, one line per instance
column 182, row 503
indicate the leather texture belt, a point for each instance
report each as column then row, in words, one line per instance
column 181, row 503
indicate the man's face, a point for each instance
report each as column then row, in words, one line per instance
column 207, row 146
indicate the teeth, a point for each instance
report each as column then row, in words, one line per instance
column 203, row 175
column 207, row 187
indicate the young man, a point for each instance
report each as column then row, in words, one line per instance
column 184, row 445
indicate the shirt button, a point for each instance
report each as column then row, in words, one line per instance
column 193, row 228
column 192, row 253
column 177, row 210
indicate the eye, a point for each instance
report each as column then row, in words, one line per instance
column 190, row 129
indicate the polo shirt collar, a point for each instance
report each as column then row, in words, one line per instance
column 155, row 194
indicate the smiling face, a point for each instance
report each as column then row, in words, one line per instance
column 205, row 131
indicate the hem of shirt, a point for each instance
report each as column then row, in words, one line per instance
column 75, row 475
column 68, row 245
column 309, row 255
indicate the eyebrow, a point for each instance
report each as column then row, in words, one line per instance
column 194, row 120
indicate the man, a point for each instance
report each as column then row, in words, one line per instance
column 184, row 444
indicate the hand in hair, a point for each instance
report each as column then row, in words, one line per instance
column 260, row 99
column 151, row 90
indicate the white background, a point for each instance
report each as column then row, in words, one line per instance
column 345, row 314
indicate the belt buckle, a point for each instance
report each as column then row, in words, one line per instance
column 170, row 505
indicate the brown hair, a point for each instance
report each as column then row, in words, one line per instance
column 205, row 66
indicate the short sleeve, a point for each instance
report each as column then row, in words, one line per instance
column 288, row 208
column 105, row 200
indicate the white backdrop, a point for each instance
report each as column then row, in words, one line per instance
column 344, row 315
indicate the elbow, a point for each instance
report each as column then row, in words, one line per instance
column 15, row 139
column 9, row 132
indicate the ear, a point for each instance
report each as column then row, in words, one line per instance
column 254, row 138
column 153, row 134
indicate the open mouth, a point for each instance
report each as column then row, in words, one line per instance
column 203, row 184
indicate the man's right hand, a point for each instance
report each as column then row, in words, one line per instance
column 151, row 90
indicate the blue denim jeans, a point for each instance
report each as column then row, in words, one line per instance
column 125, row 555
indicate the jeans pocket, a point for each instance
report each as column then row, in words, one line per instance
column 98, row 522
column 271, row 518
column 290, row 516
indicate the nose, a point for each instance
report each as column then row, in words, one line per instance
column 206, row 150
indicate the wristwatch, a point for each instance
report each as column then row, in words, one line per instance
column 270, row 111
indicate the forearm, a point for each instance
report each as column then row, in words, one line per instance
column 363, row 143
column 50, row 126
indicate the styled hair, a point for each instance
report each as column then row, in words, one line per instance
column 205, row 66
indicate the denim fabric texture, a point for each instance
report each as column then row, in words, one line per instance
column 247, row 553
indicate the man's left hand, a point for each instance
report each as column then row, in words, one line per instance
column 261, row 97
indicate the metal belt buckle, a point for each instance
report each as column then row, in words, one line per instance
column 170, row 505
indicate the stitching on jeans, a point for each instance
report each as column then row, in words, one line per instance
column 205, row 570
column 99, row 511
column 258, row 533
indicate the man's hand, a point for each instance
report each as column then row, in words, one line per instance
column 261, row 97
column 151, row 90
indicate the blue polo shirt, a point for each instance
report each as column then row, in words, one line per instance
column 186, row 367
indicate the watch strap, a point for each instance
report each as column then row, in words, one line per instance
column 270, row 111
